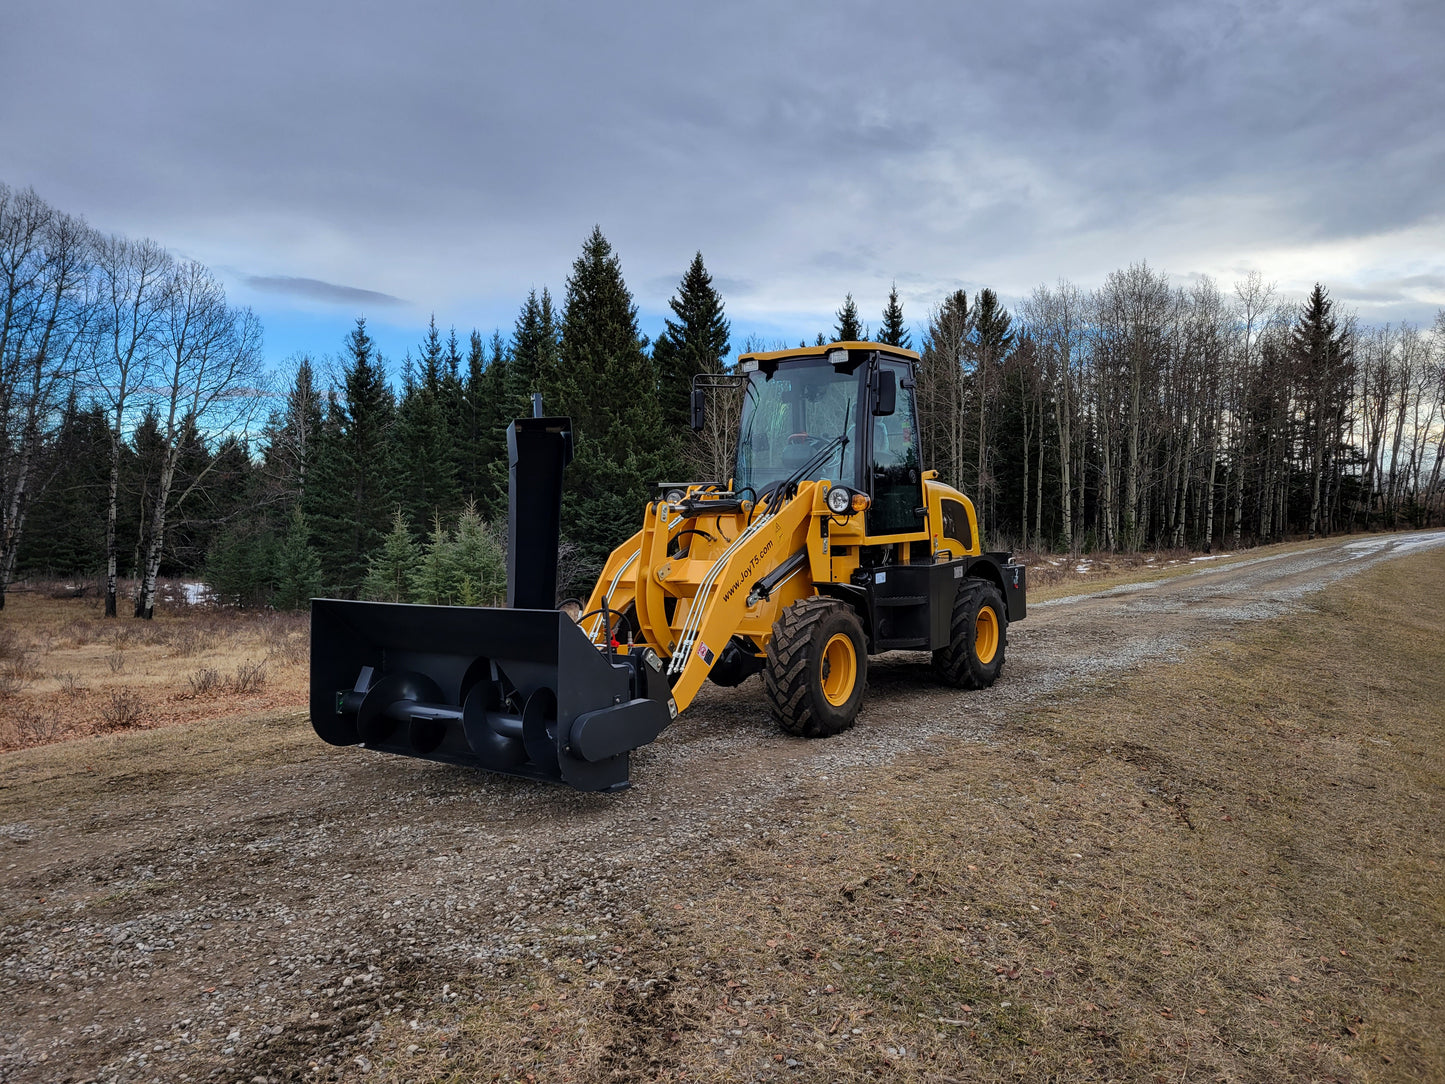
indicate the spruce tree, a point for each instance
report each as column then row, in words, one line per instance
column 290, row 437
column 455, row 419
column 1322, row 355
column 240, row 568
column 350, row 505
column 298, row 569
column 535, row 360
column 65, row 527
column 849, row 327
column 893, row 330
column 993, row 333
column 607, row 386
column 427, row 483
column 476, row 444
column 991, row 342
column 502, row 407
column 434, row 579
column 696, row 342
column 479, row 562
column 392, row 565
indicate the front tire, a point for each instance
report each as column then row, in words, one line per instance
column 817, row 668
column 978, row 637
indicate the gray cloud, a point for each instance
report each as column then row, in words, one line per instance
column 316, row 290
column 1415, row 289
column 458, row 155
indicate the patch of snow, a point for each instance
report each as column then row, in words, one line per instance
column 196, row 593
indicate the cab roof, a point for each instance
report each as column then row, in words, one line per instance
column 822, row 351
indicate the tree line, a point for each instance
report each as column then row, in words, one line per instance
column 1151, row 414
column 139, row 435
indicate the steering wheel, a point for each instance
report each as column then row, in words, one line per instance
column 804, row 438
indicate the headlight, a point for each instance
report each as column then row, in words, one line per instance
column 839, row 500
column 675, row 496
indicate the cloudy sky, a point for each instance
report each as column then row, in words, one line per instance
column 398, row 159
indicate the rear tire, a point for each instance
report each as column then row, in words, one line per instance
column 978, row 637
column 817, row 668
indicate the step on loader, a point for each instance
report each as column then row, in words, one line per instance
column 828, row 545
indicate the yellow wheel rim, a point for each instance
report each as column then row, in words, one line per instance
column 840, row 669
column 985, row 635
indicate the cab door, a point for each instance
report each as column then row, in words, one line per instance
column 895, row 464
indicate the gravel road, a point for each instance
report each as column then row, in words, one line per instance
column 166, row 926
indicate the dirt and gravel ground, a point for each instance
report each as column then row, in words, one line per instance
column 234, row 900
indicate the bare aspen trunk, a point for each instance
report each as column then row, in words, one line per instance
column 979, row 475
column 112, row 494
column 1238, row 504
column 14, row 521
column 1062, row 422
column 1106, row 496
column 1317, row 468
column 1027, row 417
column 146, row 594
column 1039, row 488
column 1209, row 490
column 1131, row 477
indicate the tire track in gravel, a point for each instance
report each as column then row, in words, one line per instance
column 259, row 924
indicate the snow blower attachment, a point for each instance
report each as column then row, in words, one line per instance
column 828, row 544
column 520, row 690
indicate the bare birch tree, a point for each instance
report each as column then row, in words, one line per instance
column 134, row 278
column 207, row 376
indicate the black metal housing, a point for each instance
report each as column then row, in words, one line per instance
column 910, row 607
column 517, row 691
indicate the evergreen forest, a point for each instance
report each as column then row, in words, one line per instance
column 142, row 436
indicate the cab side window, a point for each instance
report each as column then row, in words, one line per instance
column 897, row 478
column 955, row 525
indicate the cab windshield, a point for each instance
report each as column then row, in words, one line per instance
column 789, row 417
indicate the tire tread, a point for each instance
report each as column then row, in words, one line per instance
column 956, row 663
column 787, row 673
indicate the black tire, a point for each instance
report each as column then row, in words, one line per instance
column 798, row 678
column 977, row 606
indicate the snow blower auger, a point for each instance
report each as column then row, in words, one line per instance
column 828, row 545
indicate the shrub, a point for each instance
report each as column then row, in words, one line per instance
column 122, row 710
column 250, row 678
column 205, row 680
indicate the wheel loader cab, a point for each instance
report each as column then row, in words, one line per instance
column 852, row 398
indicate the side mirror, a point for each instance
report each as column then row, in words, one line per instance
column 699, row 408
column 885, row 393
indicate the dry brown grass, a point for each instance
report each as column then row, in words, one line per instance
column 66, row 671
column 1223, row 870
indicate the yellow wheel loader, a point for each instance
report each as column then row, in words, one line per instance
column 828, row 545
